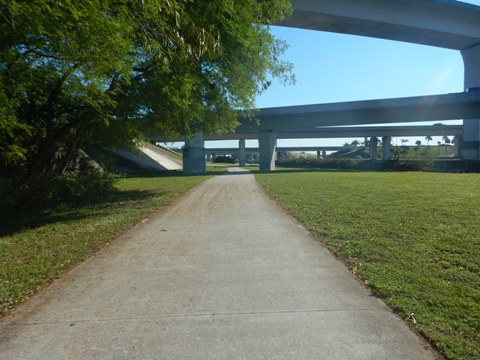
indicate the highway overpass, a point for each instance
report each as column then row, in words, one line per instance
column 441, row 23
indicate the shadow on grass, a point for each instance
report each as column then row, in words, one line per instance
column 14, row 222
column 170, row 173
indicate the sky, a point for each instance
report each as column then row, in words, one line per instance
column 333, row 67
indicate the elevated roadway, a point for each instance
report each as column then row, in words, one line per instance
column 440, row 23
column 464, row 105
column 255, row 150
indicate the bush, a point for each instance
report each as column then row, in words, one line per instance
column 224, row 159
column 359, row 164
column 48, row 190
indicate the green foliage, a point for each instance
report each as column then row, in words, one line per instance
column 413, row 236
column 360, row 165
column 97, row 71
column 42, row 191
column 224, row 159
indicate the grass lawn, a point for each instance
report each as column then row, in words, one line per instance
column 413, row 237
column 36, row 248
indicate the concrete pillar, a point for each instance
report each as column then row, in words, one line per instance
column 267, row 142
column 470, row 149
column 324, row 153
column 241, row 152
column 373, row 148
column 386, row 143
column 457, row 143
column 319, row 154
column 194, row 155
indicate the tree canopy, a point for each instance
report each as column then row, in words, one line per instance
column 106, row 71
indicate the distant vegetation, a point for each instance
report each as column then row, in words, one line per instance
column 414, row 238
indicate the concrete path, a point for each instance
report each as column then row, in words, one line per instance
column 223, row 273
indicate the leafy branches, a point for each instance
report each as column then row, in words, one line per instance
column 77, row 72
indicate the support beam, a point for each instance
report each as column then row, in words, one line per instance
column 241, row 150
column 373, row 148
column 267, row 143
column 457, row 142
column 194, row 155
column 471, row 128
column 386, row 144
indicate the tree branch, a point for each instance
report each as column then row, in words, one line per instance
column 42, row 54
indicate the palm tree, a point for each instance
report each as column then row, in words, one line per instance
column 428, row 138
column 447, row 141
column 418, row 143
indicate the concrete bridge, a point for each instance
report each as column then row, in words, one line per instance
column 373, row 132
column 441, row 23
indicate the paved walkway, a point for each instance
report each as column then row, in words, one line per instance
column 223, row 273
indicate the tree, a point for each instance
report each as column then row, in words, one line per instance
column 355, row 143
column 404, row 147
column 91, row 71
column 418, row 143
column 428, row 138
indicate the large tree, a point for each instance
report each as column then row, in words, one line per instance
column 77, row 72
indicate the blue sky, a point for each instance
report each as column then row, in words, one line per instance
column 333, row 67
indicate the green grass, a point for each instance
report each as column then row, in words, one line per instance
column 36, row 248
column 414, row 237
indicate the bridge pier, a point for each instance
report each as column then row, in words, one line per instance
column 386, row 144
column 457, row 143
column 267, row 142
column 241, row 152
column 373, row 148
column 194, row 155
column 470, row 149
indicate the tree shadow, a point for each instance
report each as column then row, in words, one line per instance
column 14, row 222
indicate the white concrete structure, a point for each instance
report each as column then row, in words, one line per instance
column 194, row 161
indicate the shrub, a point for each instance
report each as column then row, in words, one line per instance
column 360, row 164
column 48, row 190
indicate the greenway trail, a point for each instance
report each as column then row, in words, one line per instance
column 222, row 273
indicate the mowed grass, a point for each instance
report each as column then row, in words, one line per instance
column 413, row 237
column 36, row 248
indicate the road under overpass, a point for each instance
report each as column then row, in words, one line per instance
column 440, row 23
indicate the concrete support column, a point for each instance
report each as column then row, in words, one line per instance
column 241, row 152
column 386, row 143
column 194, row 155
column 319, row 154
column 457, row 143
column 470, row 149
column 324, row 153
column 267, row 142
column 373, row 148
